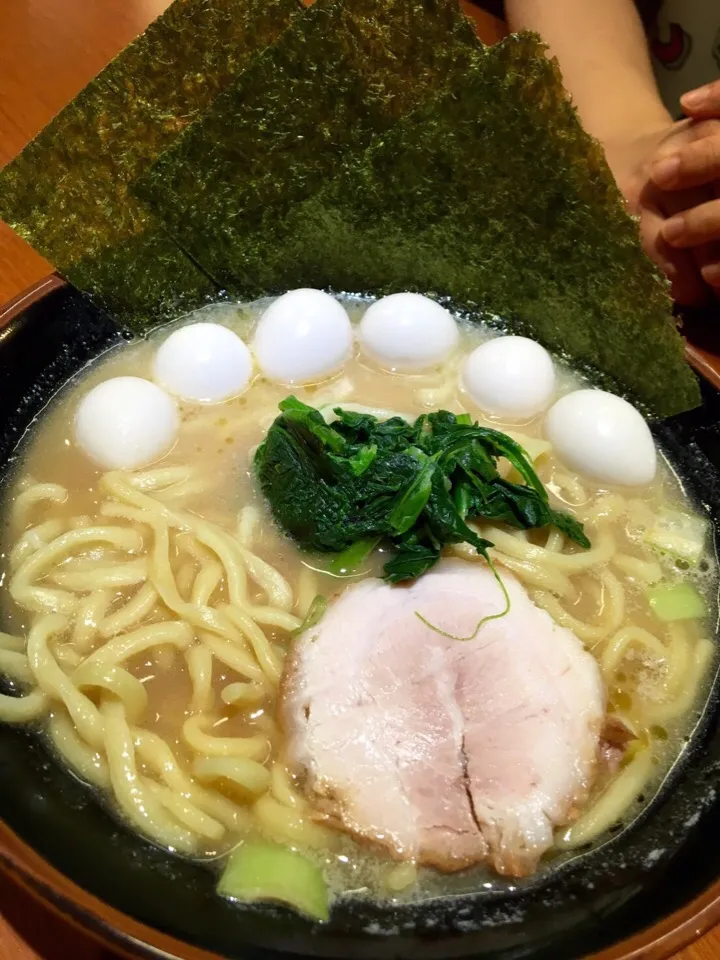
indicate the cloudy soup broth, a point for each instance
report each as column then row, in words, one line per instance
column 149, row 613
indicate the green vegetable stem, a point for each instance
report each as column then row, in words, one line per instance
column 344, row 487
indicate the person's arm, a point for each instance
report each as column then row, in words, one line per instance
column 603, row 55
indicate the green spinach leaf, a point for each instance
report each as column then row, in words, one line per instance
column 343, row 488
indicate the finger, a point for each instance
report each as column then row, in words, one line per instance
column 687, row 287
column 711, row 276
column 708, row 261
column 702, row 102
column 699, row 225
column 696, row 164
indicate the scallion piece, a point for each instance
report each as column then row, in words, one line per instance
column 677, row 601
column 265, row 871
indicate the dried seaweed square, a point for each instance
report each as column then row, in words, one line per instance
column 68, row 192
column 342, row 73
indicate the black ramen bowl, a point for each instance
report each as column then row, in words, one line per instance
column 647, row 891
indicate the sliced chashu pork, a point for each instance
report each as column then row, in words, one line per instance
column 444, row 751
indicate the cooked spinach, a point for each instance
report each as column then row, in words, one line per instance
column 344, row 487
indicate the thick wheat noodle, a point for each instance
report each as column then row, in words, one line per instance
column 266, row 656
column 185, row 579
column 33, row 706
column 67, row 656
column 116, row 681
column 138, row 608
column 252, row 777
column 234, row 655
column 307, row 590
column 276, row 588
column 533, row 575
column 16, row 666
column 555, row 540
column 678, row 660
column 156, row 754
column 665, row 711
column 41, row 599
column 647, row 571
column 610, row 615
column 568, row 563
column 214, row 538
column 121, row 511
column 33, row 539
column 9, row 641
column 255, row 748
column 89, row 764
column 273, row 617
column 138, row 803
column 550, row 580
column 232, row 555
column 122, row 538
column 34, row 494
column 85, row 561
column 282, row 788
column 188, row 488
column 48, row 600
column 89, row 615
column 609, row 507
column 248, row 522
column 265, row 721
column 283, row 823
column 159, row 478
column 578, row 494
column 53, row 682
column 611, row 804
column 207, row 581
column 189, row 543
column 163, row 657
column 618, row 645
column 126, row 645
column 201, row 617
column 236, row 693
column 186, row 812
column 199, row 661
column 101, row 578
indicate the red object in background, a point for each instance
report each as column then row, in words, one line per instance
column 673, row 53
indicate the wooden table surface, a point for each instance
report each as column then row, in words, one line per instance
column 48, row 50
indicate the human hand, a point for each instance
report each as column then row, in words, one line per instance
column 687, row 163
column 633, row 160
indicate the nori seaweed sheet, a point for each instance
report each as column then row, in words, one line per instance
column 68, row 192
column 341, row 74
column 492, row 195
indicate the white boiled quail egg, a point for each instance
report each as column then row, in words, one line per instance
column 126, row 422
column 603, row 437
column 510, row 377
column 303, row 337
column 204, row 362
column 408, row 332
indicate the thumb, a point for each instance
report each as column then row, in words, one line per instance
column 702, row 103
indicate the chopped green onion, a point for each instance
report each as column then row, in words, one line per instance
column 264, row 871
column 677, row 601
column 677, row 535
column 347, row 562
column 313, row 616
